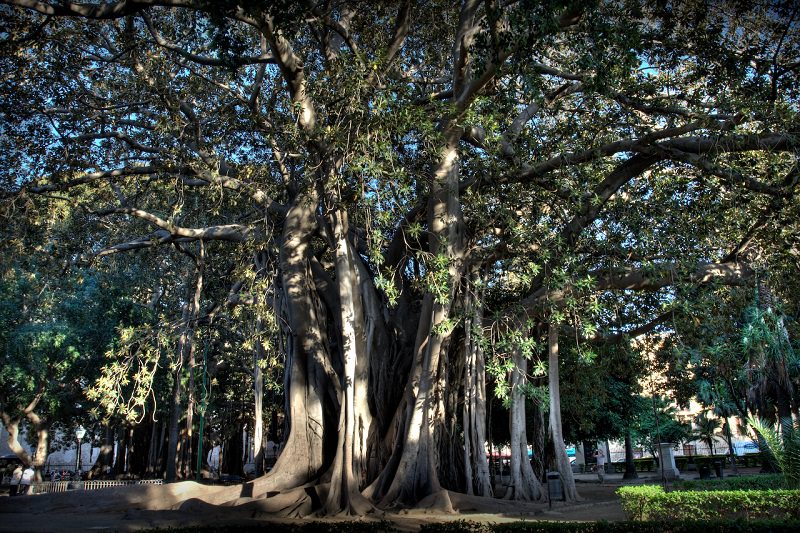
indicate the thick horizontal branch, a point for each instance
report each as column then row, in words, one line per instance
column 599, row 152
column 120, row 137
column 110, row 10
column 204, row 60
column 659, row 277
column 157, row 238
column 732, row 143
column 228, row 232
column 728, row 175
column 597, row 198
column 235, row 184
column 733, row 273
column 90, row 177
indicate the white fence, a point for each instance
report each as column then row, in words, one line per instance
column 47, row 487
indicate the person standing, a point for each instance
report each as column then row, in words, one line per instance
column 601, row 464
column 27, row 479
column 16, row 476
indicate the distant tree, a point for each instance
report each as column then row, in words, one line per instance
column 658, row 422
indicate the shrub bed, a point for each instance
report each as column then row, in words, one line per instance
column 759, row 482
column 691, row 526
column 650, row 502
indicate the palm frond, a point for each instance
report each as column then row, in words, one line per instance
column 782, row 445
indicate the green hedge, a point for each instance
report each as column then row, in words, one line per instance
column 646, row 464
column 750, row 460
column 758, row 482
column 650, row 502
column 690, row 526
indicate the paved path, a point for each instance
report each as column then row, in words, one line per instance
column 598, row 502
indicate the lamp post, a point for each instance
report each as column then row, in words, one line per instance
column 79, row 433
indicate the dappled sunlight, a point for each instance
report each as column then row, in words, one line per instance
column 305, row 259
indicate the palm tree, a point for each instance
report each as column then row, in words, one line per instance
column 782, row 445
column 706, row 428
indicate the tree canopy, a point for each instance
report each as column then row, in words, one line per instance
column 383, row 199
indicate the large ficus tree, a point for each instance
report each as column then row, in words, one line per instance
column 393, row 168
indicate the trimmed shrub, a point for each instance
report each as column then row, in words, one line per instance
column 645, row 464
column 652, row 503
column 682, row 461
column 759, row 482
column 692, row 526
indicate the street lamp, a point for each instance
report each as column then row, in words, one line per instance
column 79, row 433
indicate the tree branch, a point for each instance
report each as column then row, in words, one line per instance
column 111, row 10
column 228, row 232
column 638, row 279
column 262, row 59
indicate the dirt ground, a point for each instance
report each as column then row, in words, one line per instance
column 75, row 512
column 123, row 509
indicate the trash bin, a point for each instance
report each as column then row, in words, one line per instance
column 718, row 468
column 555, row 489
column 704, row 470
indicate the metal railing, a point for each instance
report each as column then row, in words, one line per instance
column 47, row 487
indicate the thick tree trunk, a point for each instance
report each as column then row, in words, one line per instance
column 120, row 464
column 105, row 458
column 258, row 403
column 559, row 450
column 12, row 423
column 448, row 394
column 630, row 465
column 343, row 495
column 12, row 427
column 476, row 467
column 539, row 440
column 524, row 484
column 416, row 477
column 233, row 454
column 306, row 380
column 174, row 424
column 176, row 412
column 42, row 436
column 188, row 458
column 160, row 459
column 731, row 450
column 152, row 452
column 186, row 448
column 140, row 440
column 468, row 409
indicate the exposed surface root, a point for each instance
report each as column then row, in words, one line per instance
column 438, row 503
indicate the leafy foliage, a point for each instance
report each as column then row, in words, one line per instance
column 652, row 503
column 658, row 419
column 760, row 482
column 783, row 445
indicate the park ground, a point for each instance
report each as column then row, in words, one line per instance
column 79, row 511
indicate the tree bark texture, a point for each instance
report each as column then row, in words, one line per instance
column 559, row 450
column 524, row 484
column 476, row 466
